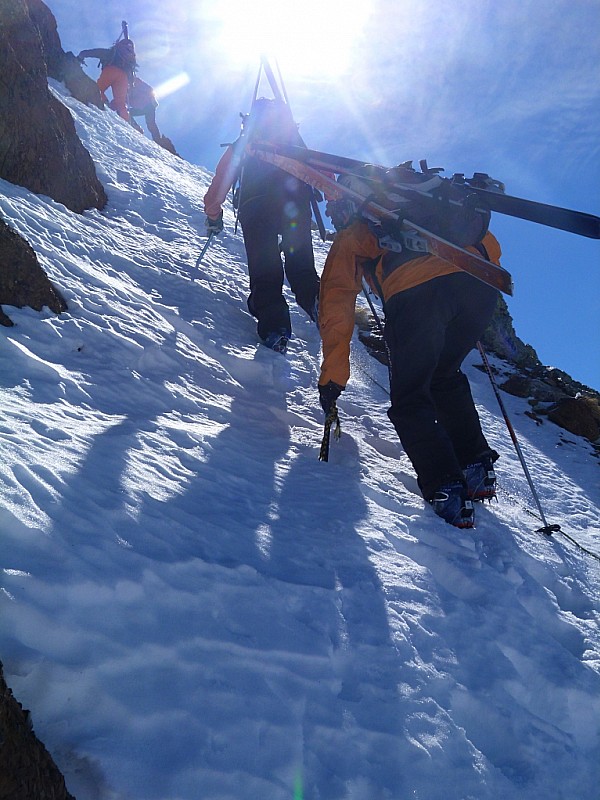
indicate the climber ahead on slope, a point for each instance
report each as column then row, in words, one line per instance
column 271, row 203
column 118, row 67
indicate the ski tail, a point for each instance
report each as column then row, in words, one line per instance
column 277, row 87
column 564, row 219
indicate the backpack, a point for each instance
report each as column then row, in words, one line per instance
column 268, row 121
column 443, row 206
column 122, row 55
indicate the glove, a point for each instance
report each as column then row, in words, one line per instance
column 328, row 394
column 214, row 225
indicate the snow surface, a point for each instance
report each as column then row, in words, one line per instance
column 193, row 606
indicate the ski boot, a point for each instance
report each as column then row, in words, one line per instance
column 481, row 480
column 452, row 504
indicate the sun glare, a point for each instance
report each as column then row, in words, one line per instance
column 307, row 39
column 172, row 85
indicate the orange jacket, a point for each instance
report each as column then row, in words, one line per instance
column 346, row 264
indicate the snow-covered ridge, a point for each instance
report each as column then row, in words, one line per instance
column 193, row 606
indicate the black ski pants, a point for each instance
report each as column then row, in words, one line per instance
column 263, row 220
column 429, row 331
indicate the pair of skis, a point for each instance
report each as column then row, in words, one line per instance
column 317, row 168
column 565, row 219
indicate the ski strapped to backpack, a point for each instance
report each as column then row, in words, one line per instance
column 486, row 189
column 408, row 234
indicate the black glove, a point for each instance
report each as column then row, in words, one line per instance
column 328, row 394
column 214, row 225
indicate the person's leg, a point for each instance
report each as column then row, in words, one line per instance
column 135, row 124
column 265, row 270
column 297, row 246
column 103, row 82
column 150, row 117
column 117, row 79
column 474, row 302
column 416, row 322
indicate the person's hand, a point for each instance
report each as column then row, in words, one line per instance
column 214, row 225
column 328, row 394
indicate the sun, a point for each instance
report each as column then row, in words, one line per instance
column 307, row 39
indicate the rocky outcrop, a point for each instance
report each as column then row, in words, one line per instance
column 27, row 770
column 62, row 66
column 39, row 147
column 500, row 338
column 551, row 392
column 23, row 282
column 579, row 415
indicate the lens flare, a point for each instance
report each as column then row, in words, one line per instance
column 298, row 35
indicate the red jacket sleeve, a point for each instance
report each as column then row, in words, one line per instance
column 225, row 175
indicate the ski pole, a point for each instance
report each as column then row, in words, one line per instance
column 204, row 249
column 547, row 529
column 379, row 325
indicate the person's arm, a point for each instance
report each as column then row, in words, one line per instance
column 491, row 248
column 98, row 52
column 225, row 174
column 340, row 285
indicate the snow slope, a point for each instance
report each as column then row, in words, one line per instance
column 193, row 606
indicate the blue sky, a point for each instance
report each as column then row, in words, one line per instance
column 510, row 89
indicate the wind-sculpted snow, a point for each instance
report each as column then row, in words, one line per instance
column 193, row 606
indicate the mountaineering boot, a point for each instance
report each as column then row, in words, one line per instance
column 481, row 480
column 278, row 340
column 451, row 503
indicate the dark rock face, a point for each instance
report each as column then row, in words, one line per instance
column 27, row 771
column 500, row 338
column 62, row 66
column 39, row 148
column 23, row 282
column 578, row 415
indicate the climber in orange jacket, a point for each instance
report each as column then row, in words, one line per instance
column 434, row 315
column 118, row 67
